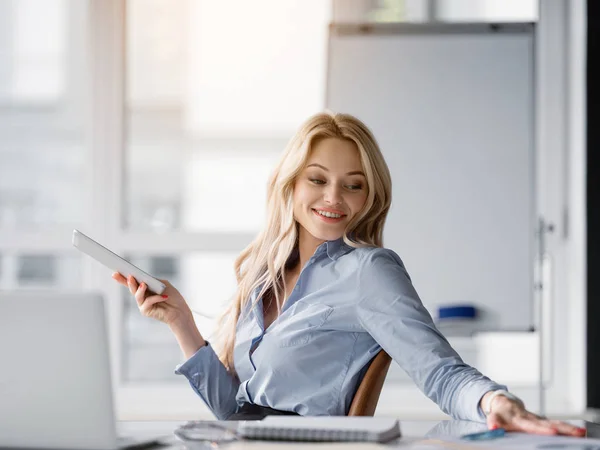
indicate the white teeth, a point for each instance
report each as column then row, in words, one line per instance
column 328, row 214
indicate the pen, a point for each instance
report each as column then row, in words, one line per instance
column 484, row 435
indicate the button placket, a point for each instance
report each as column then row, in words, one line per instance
column 255, row 343
column 259, row 324
column 293, row 296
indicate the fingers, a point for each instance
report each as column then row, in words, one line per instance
column 494, row 421
column 132, row 284
column 532, row 424
column 568, row 429
column 528, row 423
column 139, row 292
column 146, row 303
column 130, row 281
column 119, row 278
column 149, row 302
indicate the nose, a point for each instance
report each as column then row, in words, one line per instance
column 333, row 195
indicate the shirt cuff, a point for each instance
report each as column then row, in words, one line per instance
column 201, row 358
column 478, row 395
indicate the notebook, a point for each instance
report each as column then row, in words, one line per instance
column 291, row 428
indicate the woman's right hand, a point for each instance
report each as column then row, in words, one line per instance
column 170, row 307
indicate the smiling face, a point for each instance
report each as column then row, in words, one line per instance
column 330, row 190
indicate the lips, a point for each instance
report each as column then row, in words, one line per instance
column 329, row 219
column 329, row 210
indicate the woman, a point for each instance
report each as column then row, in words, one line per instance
column 318, row 296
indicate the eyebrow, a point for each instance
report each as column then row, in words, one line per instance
column 355, row 172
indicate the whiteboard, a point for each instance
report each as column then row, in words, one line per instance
column 452, row 107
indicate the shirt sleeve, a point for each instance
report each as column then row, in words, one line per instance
column 390, row 310
column 211, row 381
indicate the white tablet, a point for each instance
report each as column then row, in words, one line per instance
column 113, row 261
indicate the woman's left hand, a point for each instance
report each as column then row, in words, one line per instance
column 512, row 416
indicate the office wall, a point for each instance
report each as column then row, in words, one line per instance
column 560, row 199
column 452, row 108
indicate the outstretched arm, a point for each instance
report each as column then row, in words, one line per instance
column 392, row 312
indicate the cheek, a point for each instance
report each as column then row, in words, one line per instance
column 299, row 198
column 358, row 202
column 302, row 196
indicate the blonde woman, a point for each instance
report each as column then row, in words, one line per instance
column 318, row 296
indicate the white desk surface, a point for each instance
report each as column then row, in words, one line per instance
column 415, row 434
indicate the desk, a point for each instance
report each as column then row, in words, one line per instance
column 412, row 431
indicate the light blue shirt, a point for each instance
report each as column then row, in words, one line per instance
column 346, row 306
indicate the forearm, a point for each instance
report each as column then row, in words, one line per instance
column 211, row 381
column 459, row 390
column 188, row 337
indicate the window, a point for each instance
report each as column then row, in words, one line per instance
column 212, row 99
column 152, row 126
column 43, row 142
column 40, row 268
column 42, row 136
column 56, row 270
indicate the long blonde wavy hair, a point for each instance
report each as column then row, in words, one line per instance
column 263, row 262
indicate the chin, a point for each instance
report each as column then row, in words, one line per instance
column 324, row 236
column 323, row 232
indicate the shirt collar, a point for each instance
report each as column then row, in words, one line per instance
column 336, row 249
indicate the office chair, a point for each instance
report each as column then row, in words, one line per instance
column 367, row 395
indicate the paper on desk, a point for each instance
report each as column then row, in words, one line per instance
column 287, row 445
column 511, row 441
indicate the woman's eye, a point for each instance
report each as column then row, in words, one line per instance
column 354, row 187
column 350, row 187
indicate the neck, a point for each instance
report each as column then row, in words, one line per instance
column 307, row 245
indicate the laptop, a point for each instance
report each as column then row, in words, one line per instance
column 55, row 378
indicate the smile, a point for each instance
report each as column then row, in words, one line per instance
column 328, row 216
